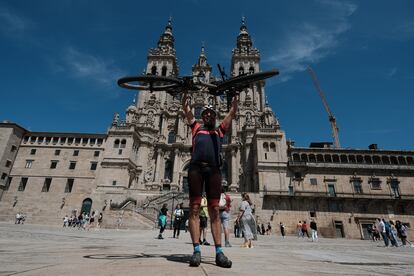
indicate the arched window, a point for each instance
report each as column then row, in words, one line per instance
column 248, row 117
column 251, row 70
column 272, row 147
column 368, row 159
column 123, row 144
column 401, row 160
column 385, row 160
column 376, row 159
column 86, row 206
column 266, row 147
column 241, row 70
column 296, row 157
column 116, row 143
column 164, row 71
column 168, row 170
column 312, row 158
column 154, row 70
column 394, row 160
column 319, row 158
column 171, row 137
column 304, row 157
column 185, row 178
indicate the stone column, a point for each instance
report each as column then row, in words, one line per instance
column 157, row 179
column 176, row 170
column 234, row 186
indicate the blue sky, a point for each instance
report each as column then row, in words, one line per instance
column 59, row 61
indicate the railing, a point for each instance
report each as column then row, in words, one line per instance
column 151, row 206
column 336, row 195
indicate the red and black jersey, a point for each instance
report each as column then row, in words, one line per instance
column 206, row 144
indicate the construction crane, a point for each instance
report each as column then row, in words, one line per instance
column 332, row 120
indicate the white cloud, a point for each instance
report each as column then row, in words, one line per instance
column 12, row 24
column 309, row 42
column 83, row 65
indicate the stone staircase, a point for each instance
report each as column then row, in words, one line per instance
column 145, row 211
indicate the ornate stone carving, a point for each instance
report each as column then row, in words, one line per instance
column 115, row 119
column 150, row 119
column 148, row 176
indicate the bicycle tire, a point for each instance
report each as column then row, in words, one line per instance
column 149, row 82
column 244, row 80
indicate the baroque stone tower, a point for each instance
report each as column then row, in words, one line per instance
column 254, row 149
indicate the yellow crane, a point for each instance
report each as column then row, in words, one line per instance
column 332, row 119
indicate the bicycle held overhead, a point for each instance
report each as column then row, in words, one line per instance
column 177, row 85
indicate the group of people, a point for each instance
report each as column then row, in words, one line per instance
column 83, row 220
column 390, row 232
column 264, row 231
column 302, row 229
column 20, row 218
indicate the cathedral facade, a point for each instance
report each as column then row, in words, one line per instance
column 146, row 153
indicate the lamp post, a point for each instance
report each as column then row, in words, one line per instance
column 172, row 212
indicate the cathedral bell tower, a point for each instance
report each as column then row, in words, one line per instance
column 246, row 60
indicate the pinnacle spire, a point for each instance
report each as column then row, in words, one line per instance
column 201, row 65
column 243, row 27
column 167, row 38
column 243, row 39
column 202, row 59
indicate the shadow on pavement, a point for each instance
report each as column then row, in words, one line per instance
column 180, row 258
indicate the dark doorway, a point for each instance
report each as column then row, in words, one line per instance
column 339, row 229
column 185, row 184
column 86, row 206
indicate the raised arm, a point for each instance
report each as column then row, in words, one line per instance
column 187, row 110
column 232, row 113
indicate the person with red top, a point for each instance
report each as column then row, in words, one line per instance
column 204, row 171
column 224, row 205
column 305, row 229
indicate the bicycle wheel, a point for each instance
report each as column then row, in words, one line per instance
column 242, row 81
column 149, row 82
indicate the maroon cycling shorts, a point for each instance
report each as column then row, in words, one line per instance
column 207, row 176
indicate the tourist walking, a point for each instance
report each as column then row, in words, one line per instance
column 381, row 230
column 282, row 229
column 66, row 221
column 162, row 220
column 248, row 223
column 224, row 205
column 305, row 229
column 391, row 232
column 314, row 230
column 237, row 229
column 269, row 229
column 205, row 171
column 18, row 218
column 91, row 220
column 299, row 229
column 203, row 221
column 178, row 218
column 100, row 219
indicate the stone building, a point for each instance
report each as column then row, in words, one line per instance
column 144, row 157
